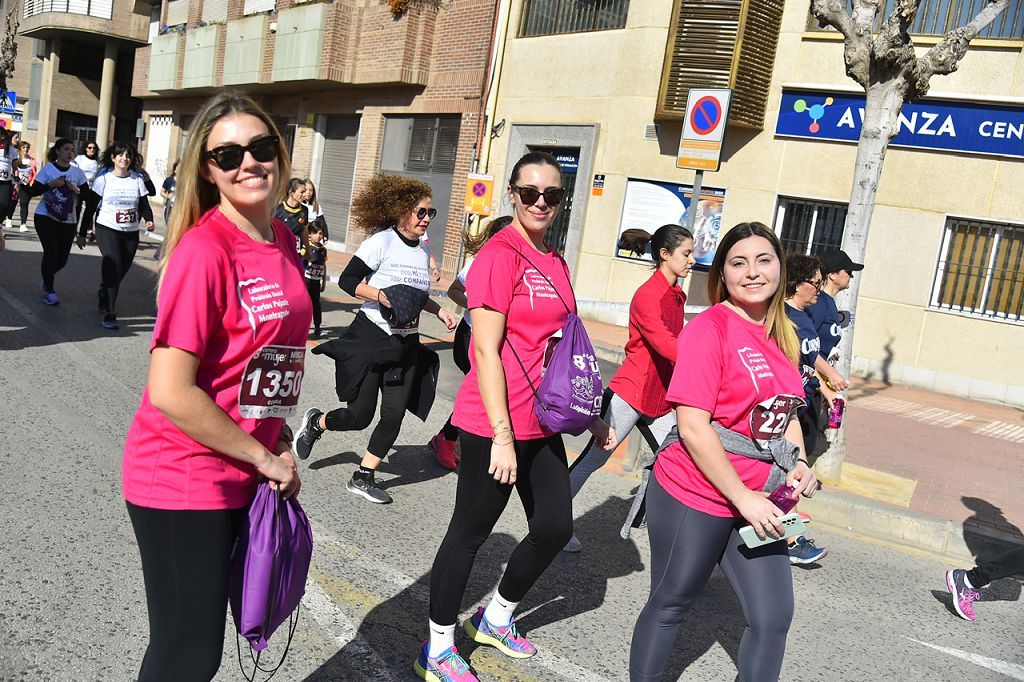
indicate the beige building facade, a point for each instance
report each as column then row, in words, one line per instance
column 942, row 295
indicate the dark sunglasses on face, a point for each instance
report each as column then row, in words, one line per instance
column 429, row 213
column 817, row 284
column 530, row 195
column 228, row 157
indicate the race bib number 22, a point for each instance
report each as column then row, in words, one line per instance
column 769, row 418
column 271, row 383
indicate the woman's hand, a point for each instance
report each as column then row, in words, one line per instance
column 802, row 480
column 149, row 226
column 435, row 274
column 761, row 513
column 74, row 187
column 836, row 379
column 382, row 298
column 604, row 435
column 80, row 241
column 281, row 471
column 58, row 181
column 449, row 320
column 503, row 461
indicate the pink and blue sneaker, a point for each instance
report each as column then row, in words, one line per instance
column 507, row 640
column 963, row 595
column 448, row 667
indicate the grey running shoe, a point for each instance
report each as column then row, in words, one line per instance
column 308, row 434
column 110, row 322
column 804, row 551
column 368, row 488
column 573, row 546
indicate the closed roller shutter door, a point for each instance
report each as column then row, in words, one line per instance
column 215, row 10
column 254, row 6
column 341, row 142
column 177, row 12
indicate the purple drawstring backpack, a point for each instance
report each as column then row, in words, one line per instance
column 569, row 397
column 269, row 568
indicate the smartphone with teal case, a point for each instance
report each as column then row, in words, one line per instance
column 791, row 524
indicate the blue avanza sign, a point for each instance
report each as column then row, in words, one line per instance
column 930, row 124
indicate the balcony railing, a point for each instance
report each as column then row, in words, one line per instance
column 100, row 9
column 938, row 17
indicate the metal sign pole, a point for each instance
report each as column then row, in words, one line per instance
column 691, row 212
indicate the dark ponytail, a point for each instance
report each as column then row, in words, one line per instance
column 472, row 243
column 667, row 237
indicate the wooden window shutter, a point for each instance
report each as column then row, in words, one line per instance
column 721, row 44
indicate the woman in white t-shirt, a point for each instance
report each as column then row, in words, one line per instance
column 59, row 183
column 122, row 200
column 89, row 163
column 8, row 165
column 381, row 348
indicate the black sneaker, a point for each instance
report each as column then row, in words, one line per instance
column 308, row 434
column 110, row 322
column 368, row 488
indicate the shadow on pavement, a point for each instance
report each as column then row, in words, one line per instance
column 409, row 463
column 396, row 628
column 987, row 549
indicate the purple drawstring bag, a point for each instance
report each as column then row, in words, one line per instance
column 569, row 397
column 270, row 564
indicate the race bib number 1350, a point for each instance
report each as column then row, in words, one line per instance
column 271, row 383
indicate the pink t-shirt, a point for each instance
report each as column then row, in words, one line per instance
column 501, row 279
column 241, row 306
column 726, row 366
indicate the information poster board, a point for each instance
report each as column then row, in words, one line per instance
column 649, row 204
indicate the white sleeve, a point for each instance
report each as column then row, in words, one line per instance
column 464, row 272
column 98, row 184
column 372, row 250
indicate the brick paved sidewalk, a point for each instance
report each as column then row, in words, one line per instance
column 956, row 459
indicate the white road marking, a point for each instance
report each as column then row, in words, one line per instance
column 1002, row 430
column 1014, row 671
column 934, row 416
column 342, row 630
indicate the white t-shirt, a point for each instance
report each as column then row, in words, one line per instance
column 394, row 262
column 462, row 278
column 88, row 166
column 313, row 213
column 59, row 203
column 6, row 167
column 119, row 205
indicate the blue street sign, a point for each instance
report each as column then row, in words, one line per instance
column 928, row 124
column 8, row 101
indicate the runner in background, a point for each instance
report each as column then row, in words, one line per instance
column 59, row 183
column 293, row 214
column 316, row 274
column 964, row 585
column 518, row 291
column 836, row 270
column 8, row 165
column 380, row 352
column 15, row 144
column 313, row 211
column 636, row 394
column 735, row 379
column 123, row 200
column 222, row 379
column 167, row 193
column 445, row 444
column 803, row 282
column 26, row 171
column 89, row 163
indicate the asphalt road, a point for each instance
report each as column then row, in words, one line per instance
column 73, row 607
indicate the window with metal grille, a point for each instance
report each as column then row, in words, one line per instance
column 938, row 17
column 548, row 17
column 981, row 269
column 433, row 143
column 809, row 226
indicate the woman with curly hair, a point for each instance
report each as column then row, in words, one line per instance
column 380, row 352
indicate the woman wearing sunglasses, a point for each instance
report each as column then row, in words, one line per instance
column 380, row 352
column 226, row 362
column 515, row 291
column 123, row 200
column 89, row 163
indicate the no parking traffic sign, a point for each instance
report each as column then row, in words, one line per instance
column 707, row 114
column 479, row 192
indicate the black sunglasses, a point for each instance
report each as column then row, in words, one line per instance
column 229, row 157
column 817, row 285
column 529, row 195
column 426, row 212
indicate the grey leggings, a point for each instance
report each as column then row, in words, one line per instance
column 622, row 417
column 685, row 546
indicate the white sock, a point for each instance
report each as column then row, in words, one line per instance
column 968, row 582
column 499, row 612
column 442, row 638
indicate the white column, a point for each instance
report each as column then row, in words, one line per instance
column 106, row 94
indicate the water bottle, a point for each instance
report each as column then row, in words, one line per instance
column 835, row 413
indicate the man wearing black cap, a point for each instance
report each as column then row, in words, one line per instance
column 837, row 270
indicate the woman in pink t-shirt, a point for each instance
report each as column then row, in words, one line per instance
column 518, row 290
column 225, row 371
column 735, row 376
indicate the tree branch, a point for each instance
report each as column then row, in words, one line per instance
column 856, row 41
column 946, row 55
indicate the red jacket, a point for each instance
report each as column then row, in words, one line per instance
column 655, row 320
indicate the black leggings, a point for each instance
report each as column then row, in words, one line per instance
column 685, row 546
column 1004, row 565
column 543, row 486
column 394, row 396
column 186, row 560
column 6, row 199
column 460, row 353
column 56, row 238
column 313, row 287
column 24, row 199
column 118, row 249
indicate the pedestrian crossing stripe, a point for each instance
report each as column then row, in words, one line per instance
column 1002, row 430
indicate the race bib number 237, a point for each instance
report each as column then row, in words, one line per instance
column 271, row 383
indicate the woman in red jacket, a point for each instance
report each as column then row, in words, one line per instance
column 636, row 394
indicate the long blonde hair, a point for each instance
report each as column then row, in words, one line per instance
column 195, row 195
column 777, row 325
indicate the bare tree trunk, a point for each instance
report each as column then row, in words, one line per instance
column 881, row 115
